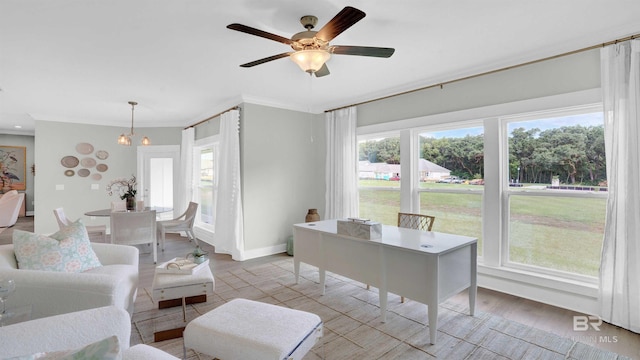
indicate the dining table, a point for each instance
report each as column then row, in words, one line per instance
column 107, row 212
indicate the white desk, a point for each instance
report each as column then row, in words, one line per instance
column 427, row 267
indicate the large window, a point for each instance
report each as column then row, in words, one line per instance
column 450, row 172
column 556, row 191
column 379, row 178
column 536, row 202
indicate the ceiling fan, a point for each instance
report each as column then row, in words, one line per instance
column 312, row 48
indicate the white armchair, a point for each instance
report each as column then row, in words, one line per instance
column 73, row 331
column 10, row 204
column 51, row 293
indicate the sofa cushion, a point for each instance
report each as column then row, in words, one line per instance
column 68, row 250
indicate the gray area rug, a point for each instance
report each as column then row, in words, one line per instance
column 352, row 329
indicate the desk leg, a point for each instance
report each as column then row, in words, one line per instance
column 432, row 298
column 473, row 287
column 433, row 322
column 382, row 289
column 323, row 278
column 382, row 294
column 296, row 268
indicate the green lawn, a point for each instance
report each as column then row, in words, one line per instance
column 559, row 233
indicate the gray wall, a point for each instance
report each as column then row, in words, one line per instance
column 282, row 164
column 29, row 143
column 54, row 140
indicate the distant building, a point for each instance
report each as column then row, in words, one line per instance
column 428, row 171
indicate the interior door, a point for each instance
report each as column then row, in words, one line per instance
column 157, row 171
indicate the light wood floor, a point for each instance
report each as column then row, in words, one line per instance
column 545, row 317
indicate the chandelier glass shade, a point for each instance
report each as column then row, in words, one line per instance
column 310, row 60
column 126, row 139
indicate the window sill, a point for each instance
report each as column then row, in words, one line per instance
column 566, row 293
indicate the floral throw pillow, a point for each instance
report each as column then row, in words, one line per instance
column 68, row 250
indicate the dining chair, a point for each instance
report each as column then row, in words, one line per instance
column 135, row 228
column 183, row 222
column 415, row 221
column 95, row 230
column 119, row 205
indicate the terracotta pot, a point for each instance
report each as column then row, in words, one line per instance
column 312, row 215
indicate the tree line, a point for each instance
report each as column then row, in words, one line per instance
column 573, row 154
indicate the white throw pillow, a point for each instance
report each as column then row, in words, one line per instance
column 68, row 250
column 106, row 349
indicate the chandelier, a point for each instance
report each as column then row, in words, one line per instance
column 126, row 139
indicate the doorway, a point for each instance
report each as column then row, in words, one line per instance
column 157, row 169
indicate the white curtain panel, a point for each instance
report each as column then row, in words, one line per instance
column 185, row 180
column 229, row 236
column 341, row 196
column 620, row 266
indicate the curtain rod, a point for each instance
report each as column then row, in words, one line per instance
column 212, row 117
column 442, row 84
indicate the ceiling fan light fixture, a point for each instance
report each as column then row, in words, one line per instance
column 310, row 60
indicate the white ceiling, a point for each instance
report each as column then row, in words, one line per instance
column 82, row 60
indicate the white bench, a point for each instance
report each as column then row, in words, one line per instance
column 249, row 330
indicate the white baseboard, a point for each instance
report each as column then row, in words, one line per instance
column 265, row 251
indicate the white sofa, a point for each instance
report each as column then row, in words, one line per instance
column 74, row 331
column 52, row 293
column 10, row 204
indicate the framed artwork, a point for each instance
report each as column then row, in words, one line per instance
column 13, row 169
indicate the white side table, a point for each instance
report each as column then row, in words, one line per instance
column 171, row 290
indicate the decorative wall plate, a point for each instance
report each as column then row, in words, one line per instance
column 88, row 162
column 101, row 154
column 102, row 167
column 96, row 176
column 69, row 172
column 84, row 172
column 84, row 148
column 70, row 161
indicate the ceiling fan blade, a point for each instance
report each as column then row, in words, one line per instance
column 361, row 51
column 323, row 71
column 257, row 32
column 267, row 59
column 341, row 22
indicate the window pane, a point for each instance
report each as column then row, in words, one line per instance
column 452, row 161
column 205, row 186
column 382, row 205
column 560, row 233
column 459, row 214
column 379, row 179
column 452, row 156
column 558, row 151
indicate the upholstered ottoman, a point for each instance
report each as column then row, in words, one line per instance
column 250, row 330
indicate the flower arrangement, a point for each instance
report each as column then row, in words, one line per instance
column 123, row 187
